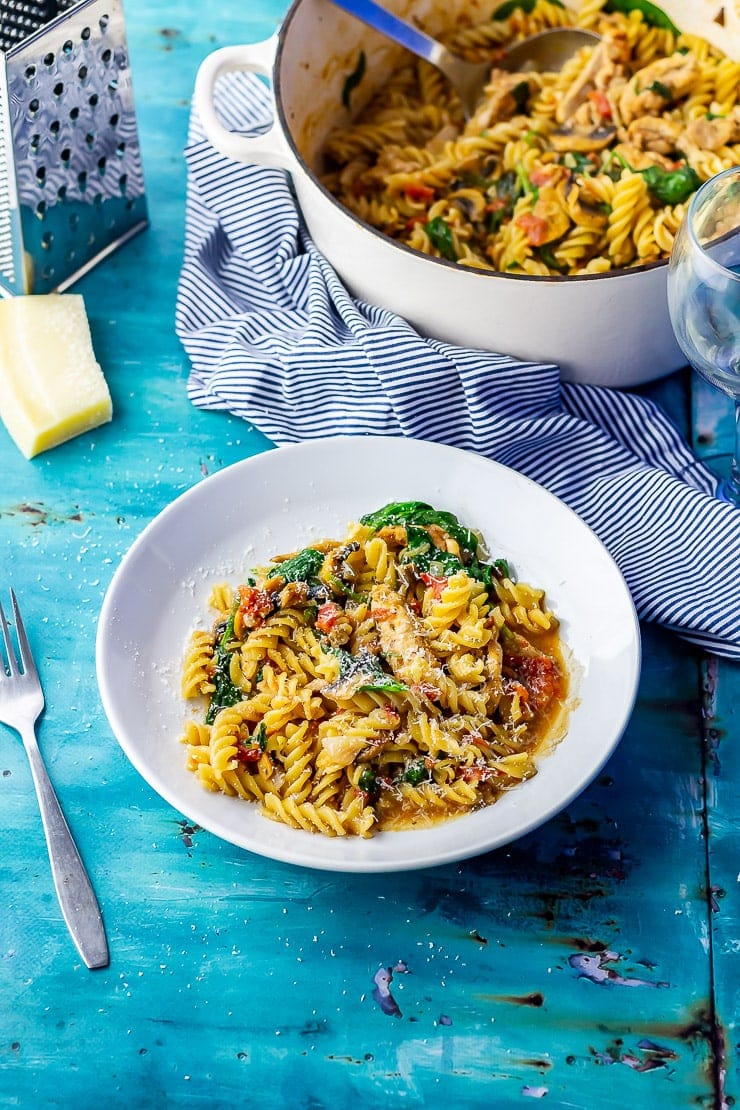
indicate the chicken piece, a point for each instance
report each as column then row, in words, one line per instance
column 443, row 540
column 402, row 640
column 293, row 595
column 493, row 687
column 598, row 75
column 506, row 94
column 654, row 133
column 339, row 751
column 641, row 159
column 656, row 86
column 446, row 134
column 549, row 207
column 711, row 134
column 393, row 535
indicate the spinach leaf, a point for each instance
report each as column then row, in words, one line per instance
column 416, row 772
column 547, row 254
column 301, row 568
column 671, row 186
column 426, row 558
column 520, row 93
column 441, row 236
column 661, row 89
column 578, row 162
column 524, row 180
column 508, row 191
column 418, row 512
column 226, row 693
column 653, row 16
column 667, row 186
column 362, row 672
column 368, row 783
column 353, row 80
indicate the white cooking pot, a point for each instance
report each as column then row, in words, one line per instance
column 605, row 329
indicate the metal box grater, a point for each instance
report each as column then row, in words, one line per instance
column 71, row 177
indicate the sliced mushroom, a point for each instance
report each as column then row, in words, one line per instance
column 471, row 202
column 579, row 139
column 584, row 207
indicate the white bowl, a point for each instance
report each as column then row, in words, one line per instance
column 278, row 501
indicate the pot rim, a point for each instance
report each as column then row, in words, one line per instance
column 387, row 239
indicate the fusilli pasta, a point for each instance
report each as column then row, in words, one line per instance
column 574, row 172
column 379, row 682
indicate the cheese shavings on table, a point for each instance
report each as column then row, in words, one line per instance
column 51, row 386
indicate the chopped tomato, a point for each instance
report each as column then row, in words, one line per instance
column 417, row 191
column 412, row 223
column 496, row 204
column 327, row 616
column 541, row 175
column 427, row 690
column 534, row 227
column 435, row 582
column 601, row 102
column 248, row 753
column 254, row 605
column 477, row 739
column 540, row 675
column 480, row 773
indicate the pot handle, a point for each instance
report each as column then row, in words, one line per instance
column 267, row 149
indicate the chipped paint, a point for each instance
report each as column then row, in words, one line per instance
column 593, row 967
column 36, row 514
column 382, row 992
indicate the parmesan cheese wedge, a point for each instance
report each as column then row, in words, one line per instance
column 51, row 386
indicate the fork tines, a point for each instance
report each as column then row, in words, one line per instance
column 10, row 664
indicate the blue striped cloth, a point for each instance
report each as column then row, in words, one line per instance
column 274, row 337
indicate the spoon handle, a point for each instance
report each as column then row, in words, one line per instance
column 394, row 28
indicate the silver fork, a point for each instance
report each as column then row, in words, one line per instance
column 21, row 703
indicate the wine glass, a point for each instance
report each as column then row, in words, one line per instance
column 704, row 296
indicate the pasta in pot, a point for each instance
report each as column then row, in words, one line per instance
column 577, row 172
column 384, row 681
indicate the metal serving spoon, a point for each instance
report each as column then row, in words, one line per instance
column 548, row 50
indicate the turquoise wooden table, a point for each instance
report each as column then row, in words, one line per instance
column 593, row 963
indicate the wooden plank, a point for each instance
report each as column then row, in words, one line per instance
column 722, row 732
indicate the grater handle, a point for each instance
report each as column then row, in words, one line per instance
column 267, row 149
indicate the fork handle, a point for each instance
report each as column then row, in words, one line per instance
column 74, row 890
